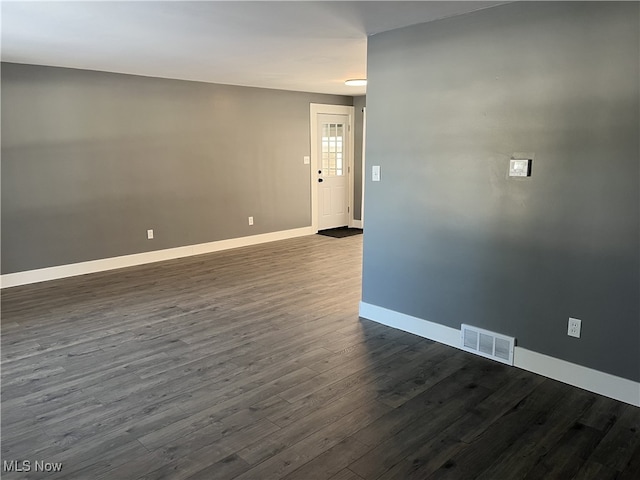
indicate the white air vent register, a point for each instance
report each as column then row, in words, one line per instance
column 487, row 344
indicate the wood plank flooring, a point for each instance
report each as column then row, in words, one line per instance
column 253, row 364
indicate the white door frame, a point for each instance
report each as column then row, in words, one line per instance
column 319, row 109
column 364, row 169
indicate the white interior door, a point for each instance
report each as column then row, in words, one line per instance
column 333, row 171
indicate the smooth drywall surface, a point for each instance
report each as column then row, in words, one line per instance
column 358, row 103
column 91, row 160
column 450, row 238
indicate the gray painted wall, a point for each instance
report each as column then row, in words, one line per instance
column 91, row 160
column 358, row 103
column 449, row 237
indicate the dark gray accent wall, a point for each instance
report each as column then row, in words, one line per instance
column 449, row 237
column 358, row 103
column 91, row 160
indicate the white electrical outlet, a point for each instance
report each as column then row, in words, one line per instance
column 150, row 234
column 250, row 220
column 574, row 327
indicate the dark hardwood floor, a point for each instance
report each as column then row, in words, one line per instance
column 253, row 364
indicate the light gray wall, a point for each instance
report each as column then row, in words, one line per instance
column 91, row 160
column 449, row 237
column 358, row 103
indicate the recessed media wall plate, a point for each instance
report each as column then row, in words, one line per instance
column 520, row 167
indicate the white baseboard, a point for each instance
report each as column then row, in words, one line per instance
column 423, row 328
column 589, row 379
column 93, row 266
column 356, row 223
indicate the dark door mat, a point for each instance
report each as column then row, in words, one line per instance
column 340, row 232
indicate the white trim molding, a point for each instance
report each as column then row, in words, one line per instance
column 589, row 379
column 417, row 326
column 364, row 168
column 102, row 265
column 357, row 223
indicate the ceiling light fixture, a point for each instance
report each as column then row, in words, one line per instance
column 356, row 82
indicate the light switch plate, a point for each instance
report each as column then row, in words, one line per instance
column 520, row 167
column 375, row 173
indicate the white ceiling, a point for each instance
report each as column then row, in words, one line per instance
column 303, row 46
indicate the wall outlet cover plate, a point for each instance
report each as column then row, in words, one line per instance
column 575, row 325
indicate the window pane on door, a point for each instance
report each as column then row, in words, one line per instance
column 332, row 149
